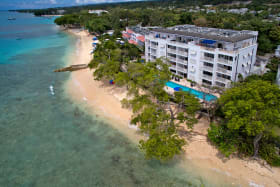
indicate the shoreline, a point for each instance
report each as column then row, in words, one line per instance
column 100, row 98
column 103, row 100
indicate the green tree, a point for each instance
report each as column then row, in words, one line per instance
column 156, row 113
column 186, row 18
column 251, row 112
column 274, row 33
column 265, row 44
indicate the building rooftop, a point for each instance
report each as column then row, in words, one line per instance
column 209, row 33
column 141, row 30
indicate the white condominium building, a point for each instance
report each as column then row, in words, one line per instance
column 209, row 56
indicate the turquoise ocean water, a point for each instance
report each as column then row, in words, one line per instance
column 47, row 140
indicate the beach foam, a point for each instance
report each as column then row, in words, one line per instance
column 51, row 89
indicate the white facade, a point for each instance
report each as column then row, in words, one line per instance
column 277, row 51
column 98, row 12
column 278, row 76
column 213, row 66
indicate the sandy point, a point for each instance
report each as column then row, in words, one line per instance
column 100, row 98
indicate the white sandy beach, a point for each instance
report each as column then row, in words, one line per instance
column 104, row 100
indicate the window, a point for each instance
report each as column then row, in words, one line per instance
column 223, row 76
column 183, row 58
column 209, row 55
column 225, row 57
column 208, row 64
column 173, row 71
column 207, row 73
column 220, row 84
column 225, row 67
column 180, row 66
column 171, row 55
column 220, row 45
column 171, row 47
column 206, row 82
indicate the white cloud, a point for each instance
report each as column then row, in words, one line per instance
column 53, row 2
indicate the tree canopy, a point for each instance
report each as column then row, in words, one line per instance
column 157, row 114
column 251, row 115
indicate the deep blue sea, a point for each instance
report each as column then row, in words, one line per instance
column 48, row 140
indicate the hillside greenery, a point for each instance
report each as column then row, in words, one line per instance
column 120, row 16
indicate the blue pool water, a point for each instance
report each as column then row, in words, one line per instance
column 198, row 94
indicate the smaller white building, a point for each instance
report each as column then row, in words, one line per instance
column 98, row 12
column 238, row 11
column 278, row 76
column 210, row 11
column 277, row 51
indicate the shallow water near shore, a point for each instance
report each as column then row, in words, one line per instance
column 46, row 139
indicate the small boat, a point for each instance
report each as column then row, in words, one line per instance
column 11, row 19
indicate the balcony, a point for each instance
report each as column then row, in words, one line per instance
column 208, row 77
column 208, row 58
column 224, row 71
column 183, row 53
column 171, row 50
column 208, row 68
column 172, row 66
column 223, row 80
column 171, row 58
column 154, row 46
column 182, row 61
column 224, row 61
column 182, row 69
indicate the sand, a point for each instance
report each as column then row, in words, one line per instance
column 103, row 99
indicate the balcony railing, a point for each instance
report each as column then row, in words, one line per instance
column 182, row 69
column 182, row 61
column 184, row 53
column 223, row 80
column 222, row 60
column 171, row 58
column 207, row 68
column 154, row 46
column 222, row 70
column 208, row 77
column 208, row 58
column 171, row 50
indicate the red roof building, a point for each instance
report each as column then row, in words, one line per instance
column 129, row 31
column 125, row 35
column 132, row 42
column 141, row 38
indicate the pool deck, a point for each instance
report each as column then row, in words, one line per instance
column 186, row 83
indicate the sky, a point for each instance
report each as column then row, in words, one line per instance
column 32, row 4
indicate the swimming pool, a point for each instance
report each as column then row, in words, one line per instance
column 196, row 93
